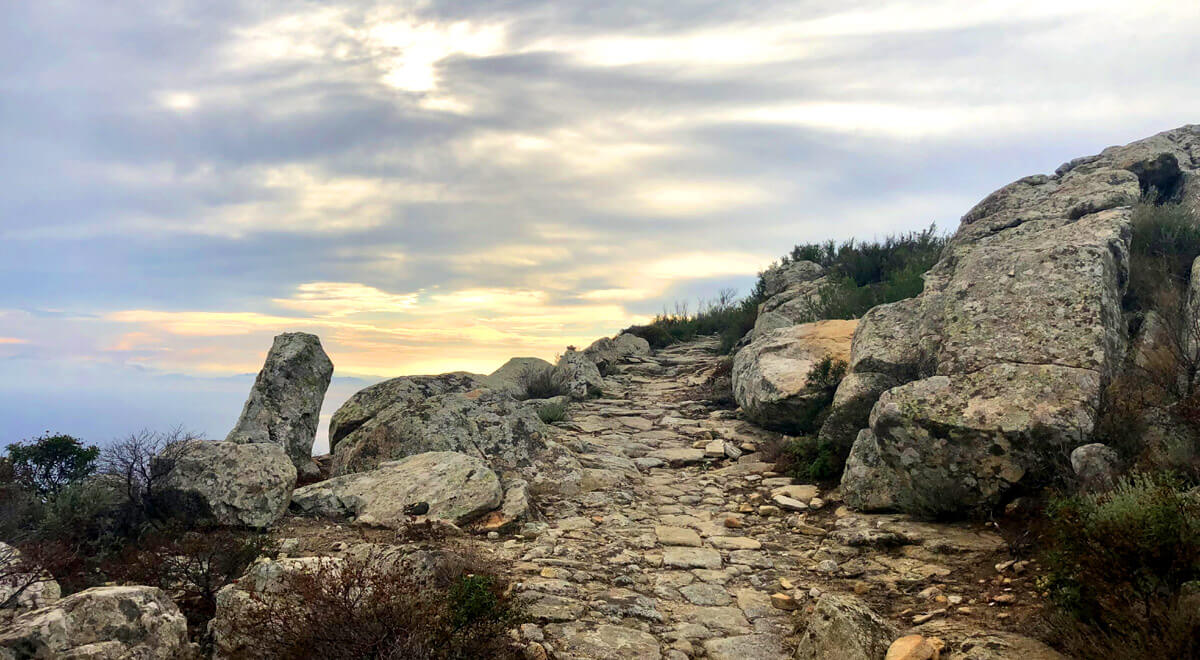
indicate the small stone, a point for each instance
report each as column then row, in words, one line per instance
column 733, row 522
column 786, row 584
column 687, row 557
column 861, row 588
column 789, row 503
column 715, row 449
column 745, row 507
column 1020, row 567
column 927, row 617
column 767, row 510
column 814, row 593
column 912, row 647
column 816, row 503
column 782, row 601
column 748, row 447
column 828, row 566
column 954, row 599
column 1004, row 565
column 966, row 610
column 1005, row 599
column 703, row 593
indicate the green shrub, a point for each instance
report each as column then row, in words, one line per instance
column 726, row 317
column 806, row 458
column 1119, row 566
column 864, row 274
column 553, row 412
column 50, row 462
column 1166, row 240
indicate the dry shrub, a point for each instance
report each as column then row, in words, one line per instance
column 192, row 566
column 365, row 607
column 1122, row 569
column 542, row 383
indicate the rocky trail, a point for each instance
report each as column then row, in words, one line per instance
column 682, row 544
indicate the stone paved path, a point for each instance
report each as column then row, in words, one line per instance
column 677, row 547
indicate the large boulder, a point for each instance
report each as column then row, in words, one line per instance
column 23, row 587
column 843, row 627
column 225, row 482
column 369, row 402
column 285, row 403
column 102, row 623
column 789, row 290
column 770, row 375
column 580, row 375
column 999, row 364
column 456, row 487
column 606, row 353
column 512, row 374
column 487, row 423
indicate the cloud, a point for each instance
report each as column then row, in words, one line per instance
column 437, row 185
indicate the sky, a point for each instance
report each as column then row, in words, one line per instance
column 438, row 186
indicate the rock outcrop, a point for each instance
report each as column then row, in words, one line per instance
column 995, row 371
column 788, row 289
column 770, row 375
column 285, row 403
column 239, row 485
column 455, row 487
column 102, row 623
column 605, row 353
column 372, row 402
column 580, row 375
column 487, row 423
column 511, row 374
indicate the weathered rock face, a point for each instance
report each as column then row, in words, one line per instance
column 285, row 402
column 788, row 288
column 770, row 375
column 844, row 628
column 458, row 488
column 488, row 422
column 605, row 352
column 510, row 375
column 1096, row 465
column 228, row 483
column 103, row 623
column 368, row 403
column 23, row 591
column 582, row 378
column 998, row 365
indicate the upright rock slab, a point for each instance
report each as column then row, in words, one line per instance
column 995, row 371
column 102, row 623
column 227, row 483
column 457, row 488
column 285, row 403
column 770, row 375
column 581, row 375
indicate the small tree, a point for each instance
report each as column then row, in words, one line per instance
column 50, row 462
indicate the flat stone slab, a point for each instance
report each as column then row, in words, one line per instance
column 685, row 557
column 703, row 593
column 677, row 457
column 745, row 647
column 802, row 492
column 677, row 536
column 734, row 543
column 789, row 503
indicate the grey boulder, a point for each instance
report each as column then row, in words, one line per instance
column 284, row 405
column 1096, row 465
column 231, row 484
column 457, row 488
column 843, row 627
column 580, row 374
column 770, row 375
column 370, row 402
column 1000, row 361
column 102, row 623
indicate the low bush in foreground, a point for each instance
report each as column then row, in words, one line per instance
column 552, row 412
column 362, row 609
column 1122, row 568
